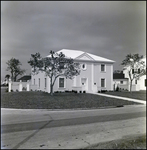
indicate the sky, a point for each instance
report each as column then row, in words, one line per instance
column 110, row 29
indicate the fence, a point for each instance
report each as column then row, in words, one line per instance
column 21, row 86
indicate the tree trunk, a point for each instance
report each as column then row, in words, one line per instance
column 131, row 86
column 51, row 87
column 15, row 79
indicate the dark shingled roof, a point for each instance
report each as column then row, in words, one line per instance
column 118, row 76
column 25, row 78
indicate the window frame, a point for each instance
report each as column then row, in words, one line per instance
column 104, row 82
column 63, row 83
column 104, row 68
column 39, row 82
column 45, row 83
column 84, row 67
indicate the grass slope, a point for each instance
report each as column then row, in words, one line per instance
column 42, row 100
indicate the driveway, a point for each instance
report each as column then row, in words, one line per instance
column 69, row 128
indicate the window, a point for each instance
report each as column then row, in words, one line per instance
column 39, row 82
column 61, row 65
column 45, row 82
column 102, row 67
column 61, row 82
column 84, row 66
column 121, row 82
column 138, row 70
column 34, row 81
column 135, row 81
column 102, row 82
column 132, row 71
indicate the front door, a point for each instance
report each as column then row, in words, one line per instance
column 84, row 84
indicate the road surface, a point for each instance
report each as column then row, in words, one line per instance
column 61, row 129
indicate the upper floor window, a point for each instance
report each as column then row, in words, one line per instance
column 135, row 71
column 103, row 67
column 121, row 82
column 84, row 66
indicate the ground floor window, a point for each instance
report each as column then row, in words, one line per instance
column 102, row 82
column 45, row 82
column 61, row 82
column 39, row 82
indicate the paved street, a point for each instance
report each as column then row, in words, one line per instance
column 69, row 128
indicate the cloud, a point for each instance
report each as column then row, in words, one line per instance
column 108, row 29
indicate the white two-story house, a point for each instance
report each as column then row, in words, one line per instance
column 137, row 84
column 96, row 74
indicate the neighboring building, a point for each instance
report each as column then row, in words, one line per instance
column 25, row 78
column 96, row 74
column 139, row 84
column 120, row 81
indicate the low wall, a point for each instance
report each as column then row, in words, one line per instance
column 21, row 86
column 33, row 87
column 124, row 87
column 77, row 88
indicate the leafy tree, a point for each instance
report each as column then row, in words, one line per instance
column 14, row 68
column 135, row 67
column 7, row 76
column 54, row 66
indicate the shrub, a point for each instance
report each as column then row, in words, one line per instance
column 11, row 90
column 24, row 89
column 103, row 91
column 80, row 91
column 117, row 88
column 84, row 91
column 66, row 91
column 6, row 90
column 99, row 91
column 74, row 91
column 16, row 90
column 31, row 90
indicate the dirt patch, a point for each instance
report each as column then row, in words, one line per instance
column 129, row 142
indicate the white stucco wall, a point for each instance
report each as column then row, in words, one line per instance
column 92, row 74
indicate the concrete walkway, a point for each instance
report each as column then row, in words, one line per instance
column 118, row 97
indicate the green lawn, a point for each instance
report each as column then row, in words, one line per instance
column 136, row 95
column 42, row 100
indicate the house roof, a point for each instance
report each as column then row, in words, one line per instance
column 77, row 54
column 26, row 77
column 119, row 76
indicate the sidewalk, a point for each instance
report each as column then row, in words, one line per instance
column 118, row 97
